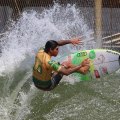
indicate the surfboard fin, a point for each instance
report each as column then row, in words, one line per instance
column 119, row 60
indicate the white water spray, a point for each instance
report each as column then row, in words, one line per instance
column 22, row 41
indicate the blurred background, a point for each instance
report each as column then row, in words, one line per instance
column 102, row 16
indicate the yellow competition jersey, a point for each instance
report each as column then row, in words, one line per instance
column 44, row 66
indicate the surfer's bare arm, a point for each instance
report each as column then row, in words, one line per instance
column 67, row 64
column 72, row 68
column 74, row 41
column 68, row 71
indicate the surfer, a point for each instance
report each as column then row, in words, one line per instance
column 48, row 73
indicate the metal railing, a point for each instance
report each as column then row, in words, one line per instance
column 112, row 42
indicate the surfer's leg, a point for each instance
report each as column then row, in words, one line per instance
column 55, row 80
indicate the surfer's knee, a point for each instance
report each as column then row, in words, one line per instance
column 55, row 80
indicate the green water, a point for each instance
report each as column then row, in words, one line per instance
column 86, row 100
column 97, row 99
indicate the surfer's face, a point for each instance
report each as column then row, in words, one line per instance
column 55, row 51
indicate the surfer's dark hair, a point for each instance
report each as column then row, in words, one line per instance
column 51, row 44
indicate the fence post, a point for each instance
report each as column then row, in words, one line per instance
column 98, row 22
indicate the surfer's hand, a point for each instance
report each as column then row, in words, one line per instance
column 76, row 41
column 86, row 62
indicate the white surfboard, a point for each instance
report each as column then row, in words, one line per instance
column 103, row 62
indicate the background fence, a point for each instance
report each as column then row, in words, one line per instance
column 102, row 16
